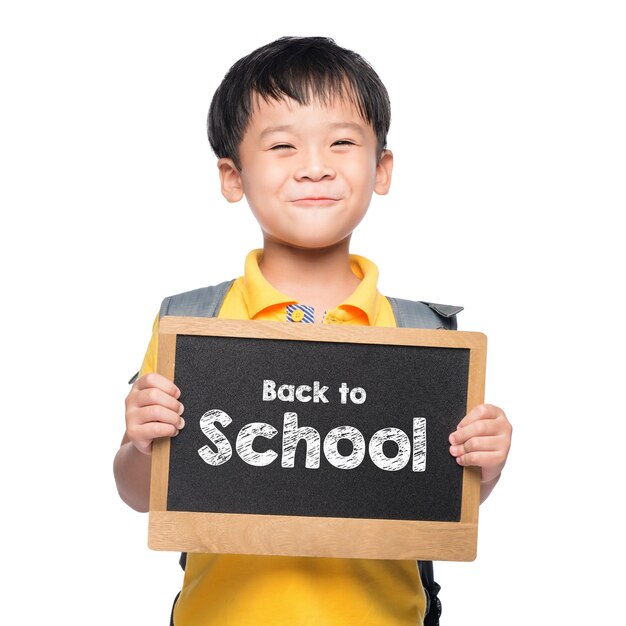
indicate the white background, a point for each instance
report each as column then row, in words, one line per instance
column 510, row 141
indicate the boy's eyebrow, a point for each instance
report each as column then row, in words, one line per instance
column 348, row 125
column 289, row 127
column 274, row 129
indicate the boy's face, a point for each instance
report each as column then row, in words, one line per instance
column 308, row 172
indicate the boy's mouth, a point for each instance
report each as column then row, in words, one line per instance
column 315, row 201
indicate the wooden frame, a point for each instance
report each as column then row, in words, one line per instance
column 314, row 536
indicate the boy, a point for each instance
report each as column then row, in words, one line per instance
column 299, row 128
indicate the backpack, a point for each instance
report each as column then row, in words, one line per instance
column 207, row 301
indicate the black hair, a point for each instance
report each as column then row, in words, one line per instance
column 301, row 68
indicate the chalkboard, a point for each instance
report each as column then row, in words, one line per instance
column 316, row 440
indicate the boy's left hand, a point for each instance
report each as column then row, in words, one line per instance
column 483, row 439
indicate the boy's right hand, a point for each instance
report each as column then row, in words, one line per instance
column 152, row 411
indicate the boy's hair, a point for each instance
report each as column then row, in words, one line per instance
column 301, row 68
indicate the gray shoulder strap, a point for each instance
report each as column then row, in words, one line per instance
column 204, row 302
column 412, row 314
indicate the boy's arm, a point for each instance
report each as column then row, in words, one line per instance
column 152, row 411
column 483, row 439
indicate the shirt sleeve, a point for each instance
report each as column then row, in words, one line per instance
column 149, row 364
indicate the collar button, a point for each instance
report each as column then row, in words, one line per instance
column 297, row 315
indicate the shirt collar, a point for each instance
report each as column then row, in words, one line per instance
column 259, row 294
column 365, row 297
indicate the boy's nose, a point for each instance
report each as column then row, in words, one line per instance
column 314, row 168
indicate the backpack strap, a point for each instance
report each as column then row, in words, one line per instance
column 431, row 591
column 204, row 302
column 411, row 314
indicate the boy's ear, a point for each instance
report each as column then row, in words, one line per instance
column 230, row 179
column 384, row 169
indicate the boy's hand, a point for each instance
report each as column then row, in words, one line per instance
column 483, row 439
column 152, row 411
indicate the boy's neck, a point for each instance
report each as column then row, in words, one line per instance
column 319, row 278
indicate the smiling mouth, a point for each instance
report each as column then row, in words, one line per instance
column 314, row 201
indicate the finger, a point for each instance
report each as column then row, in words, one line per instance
column 143, row 436
column 153, row 413
column 154, row 396
column 493, row 461
column 481, row 428
column 160, row 382
column 480, row 412
column 477, row 444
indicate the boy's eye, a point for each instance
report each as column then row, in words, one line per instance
column 343, row 142
column 281, row 146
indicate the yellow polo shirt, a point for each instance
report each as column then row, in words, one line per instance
column 224, row 589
